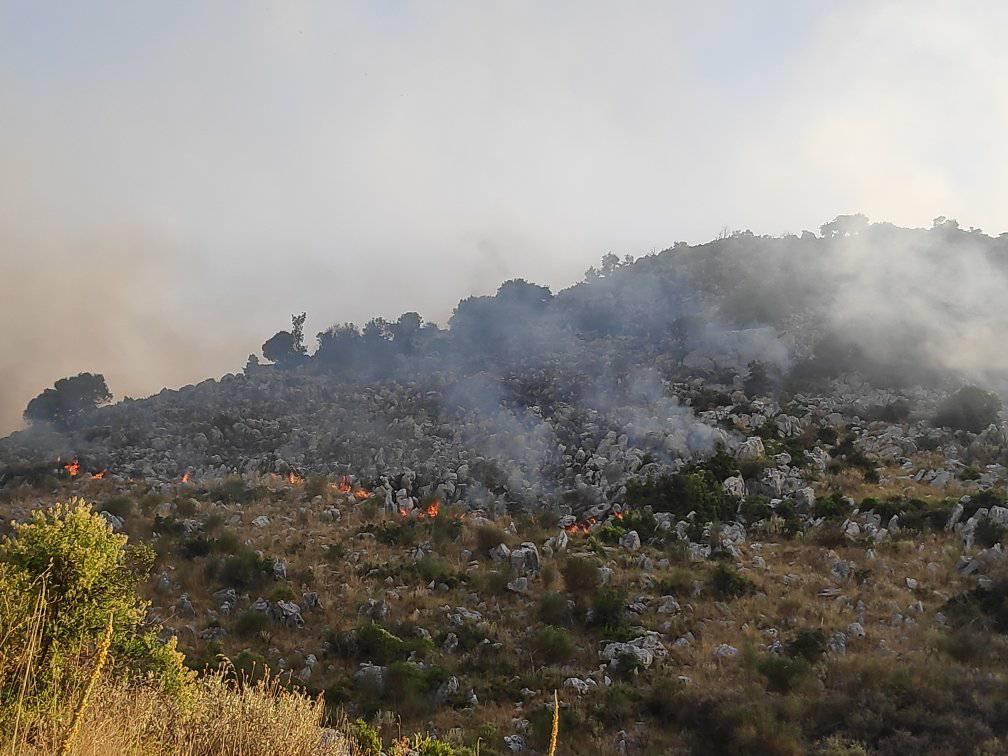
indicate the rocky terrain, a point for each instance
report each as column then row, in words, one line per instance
column 714, row 519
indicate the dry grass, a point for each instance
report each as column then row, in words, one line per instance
column 218, row 717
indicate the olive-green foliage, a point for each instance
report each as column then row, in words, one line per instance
column 120, row 506
column 981, row 608
column 366, row 739
column 234, row 490
column 832, row 507
column 554, row 646
column 555, row 609
column 609, row 609
column 67, row 561
column 408, row 687
column 726, row 582
column 808, row 644
column 487, row 538
column 375, row 644
column 783, row 673
column 245, row 569
column 681, row 493
column 581, row 574
column 250, row 623
column 425, row 745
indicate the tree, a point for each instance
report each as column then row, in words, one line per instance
column 844, row 225
column 287, row 347
column 68, row 399
column 68, row 572
column 757, row 382
column 970, row 408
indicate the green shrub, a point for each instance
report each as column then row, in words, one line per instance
column 581, row 574
column 619, row 704
column 68, row 561
column 609, row 609
column 988, row 533
column 366, row 739
column 783, row 673
column 250, row 623
column 681, row 493
column 234, row 490
column 185, row 506
column 120, row 506
column 378, row 645
column 489, row 537
column 554, row 646
column 246, row 569
column 832, row 507
column 678, row 582
column 726, row 582
column 555, row 609
column 808, row 644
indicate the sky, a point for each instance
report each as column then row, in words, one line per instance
column 177, row 178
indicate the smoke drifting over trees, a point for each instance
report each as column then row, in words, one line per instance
column 899, row 306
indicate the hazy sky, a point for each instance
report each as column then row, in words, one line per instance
column 177, row 178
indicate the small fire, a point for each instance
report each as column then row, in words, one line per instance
column 73, row 468
column 618, row 515
column 99, row 475
column 360, row 494
column 581, row 528
column 185, row 477
column 342, row 485
column 403, row 512
column 433, row 508
column 294, row 479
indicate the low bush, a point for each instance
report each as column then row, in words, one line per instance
column 553, row 645
column 581, row 574
column 250, row 623
column 726, row 582
column 120, row 506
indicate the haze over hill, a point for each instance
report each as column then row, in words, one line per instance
column 176, row 181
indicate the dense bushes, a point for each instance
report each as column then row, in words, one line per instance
column 68, row 574
column 682, row 493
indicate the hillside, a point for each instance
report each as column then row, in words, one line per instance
column 740, row 497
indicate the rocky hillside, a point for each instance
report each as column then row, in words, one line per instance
column 732, row 498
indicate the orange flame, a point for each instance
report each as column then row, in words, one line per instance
column 360, row 494
column 73, row 468
column 99, row 475
column 433, row 508
column 342, row 485
column 581, row 528
column 185, row 477
column 294, row 479
column 403, row 512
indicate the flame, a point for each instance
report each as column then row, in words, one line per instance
column 73, row 468
column 99, row 475
column 342, row 485
column 185, row 477
column 618, row 515
column 403, row 512
column 360, row 494
column 294, row 479
column 581, row 528
column 433, row 508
